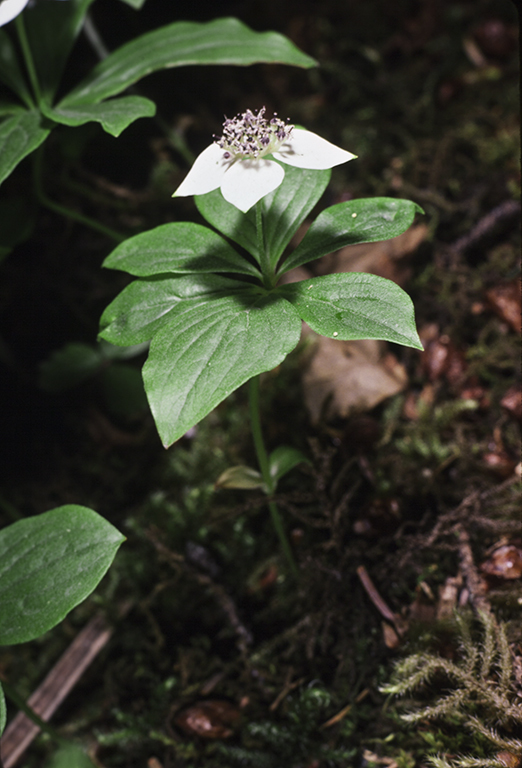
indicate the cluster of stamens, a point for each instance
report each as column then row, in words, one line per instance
column 250, row 135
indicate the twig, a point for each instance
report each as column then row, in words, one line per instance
column 485, row 225
column 49, row 695
column 344, row 711
column 448, row 522
column 287, row 688
column 470, row 573
column 384, row 610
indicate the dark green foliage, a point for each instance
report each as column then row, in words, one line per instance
column 292, row 739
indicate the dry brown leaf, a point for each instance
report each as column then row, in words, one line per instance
column 390, row 636
column 505, row 300
column 504, row 563
column 512, row 401
column 345, row 377
column 383, row 258
column 211, row 719
column 441, row 357
column 499, row 463
column 479, row 394
column 509, row 759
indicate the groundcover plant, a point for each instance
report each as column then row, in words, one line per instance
column 417, row 493
column 52, row 562
column 49, row 564
column 217, row 318
column 45, row 36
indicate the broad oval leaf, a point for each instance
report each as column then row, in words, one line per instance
column 356, row 221
column 179, row 248
column 229, row 220
column 355, row 305
column 11, row 108
column 144, row 306
column 240, row 476
column 287, row 207
column 222, row 41
column 284, row 210
column 209, row 350
column 70, row 755
column 114, row 115
column 283, row 459
column 49, row 564
column 20, row 135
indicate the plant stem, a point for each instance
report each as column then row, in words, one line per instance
column 264, row 258
column 262, row 458
column 28, row 57
column 69, row 213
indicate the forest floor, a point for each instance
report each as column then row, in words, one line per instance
column 406, row 523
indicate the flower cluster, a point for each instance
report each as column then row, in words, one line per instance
column 251, row 135
column 237, row 162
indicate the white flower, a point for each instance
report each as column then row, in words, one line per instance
column 237, row 164
column 10, row 8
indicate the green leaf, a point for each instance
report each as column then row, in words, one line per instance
column 136, row 4
column 52, row 29
column 114, row 115
column 284, row 210
column 355, row 305
column 144, row 306
column 10, row 72
column 283, row 459
column 20, row 135
column 225, row 217
column 222, row 41
column 208, row 350
column 357, row 221
column 240, row 477
column 112, row 352
column 69, row 366
column 10, row 108
column 178, row 248
column 49, row 564
column 69, row 756
column 3, row 712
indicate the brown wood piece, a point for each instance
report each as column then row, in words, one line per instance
column 386, row 612
column 49, row 695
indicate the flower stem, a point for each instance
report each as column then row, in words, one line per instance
column 269, row 279
column 262, row 458
column 69, row 213
column 28, row 57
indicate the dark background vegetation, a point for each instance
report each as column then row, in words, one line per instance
column 426, row 94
